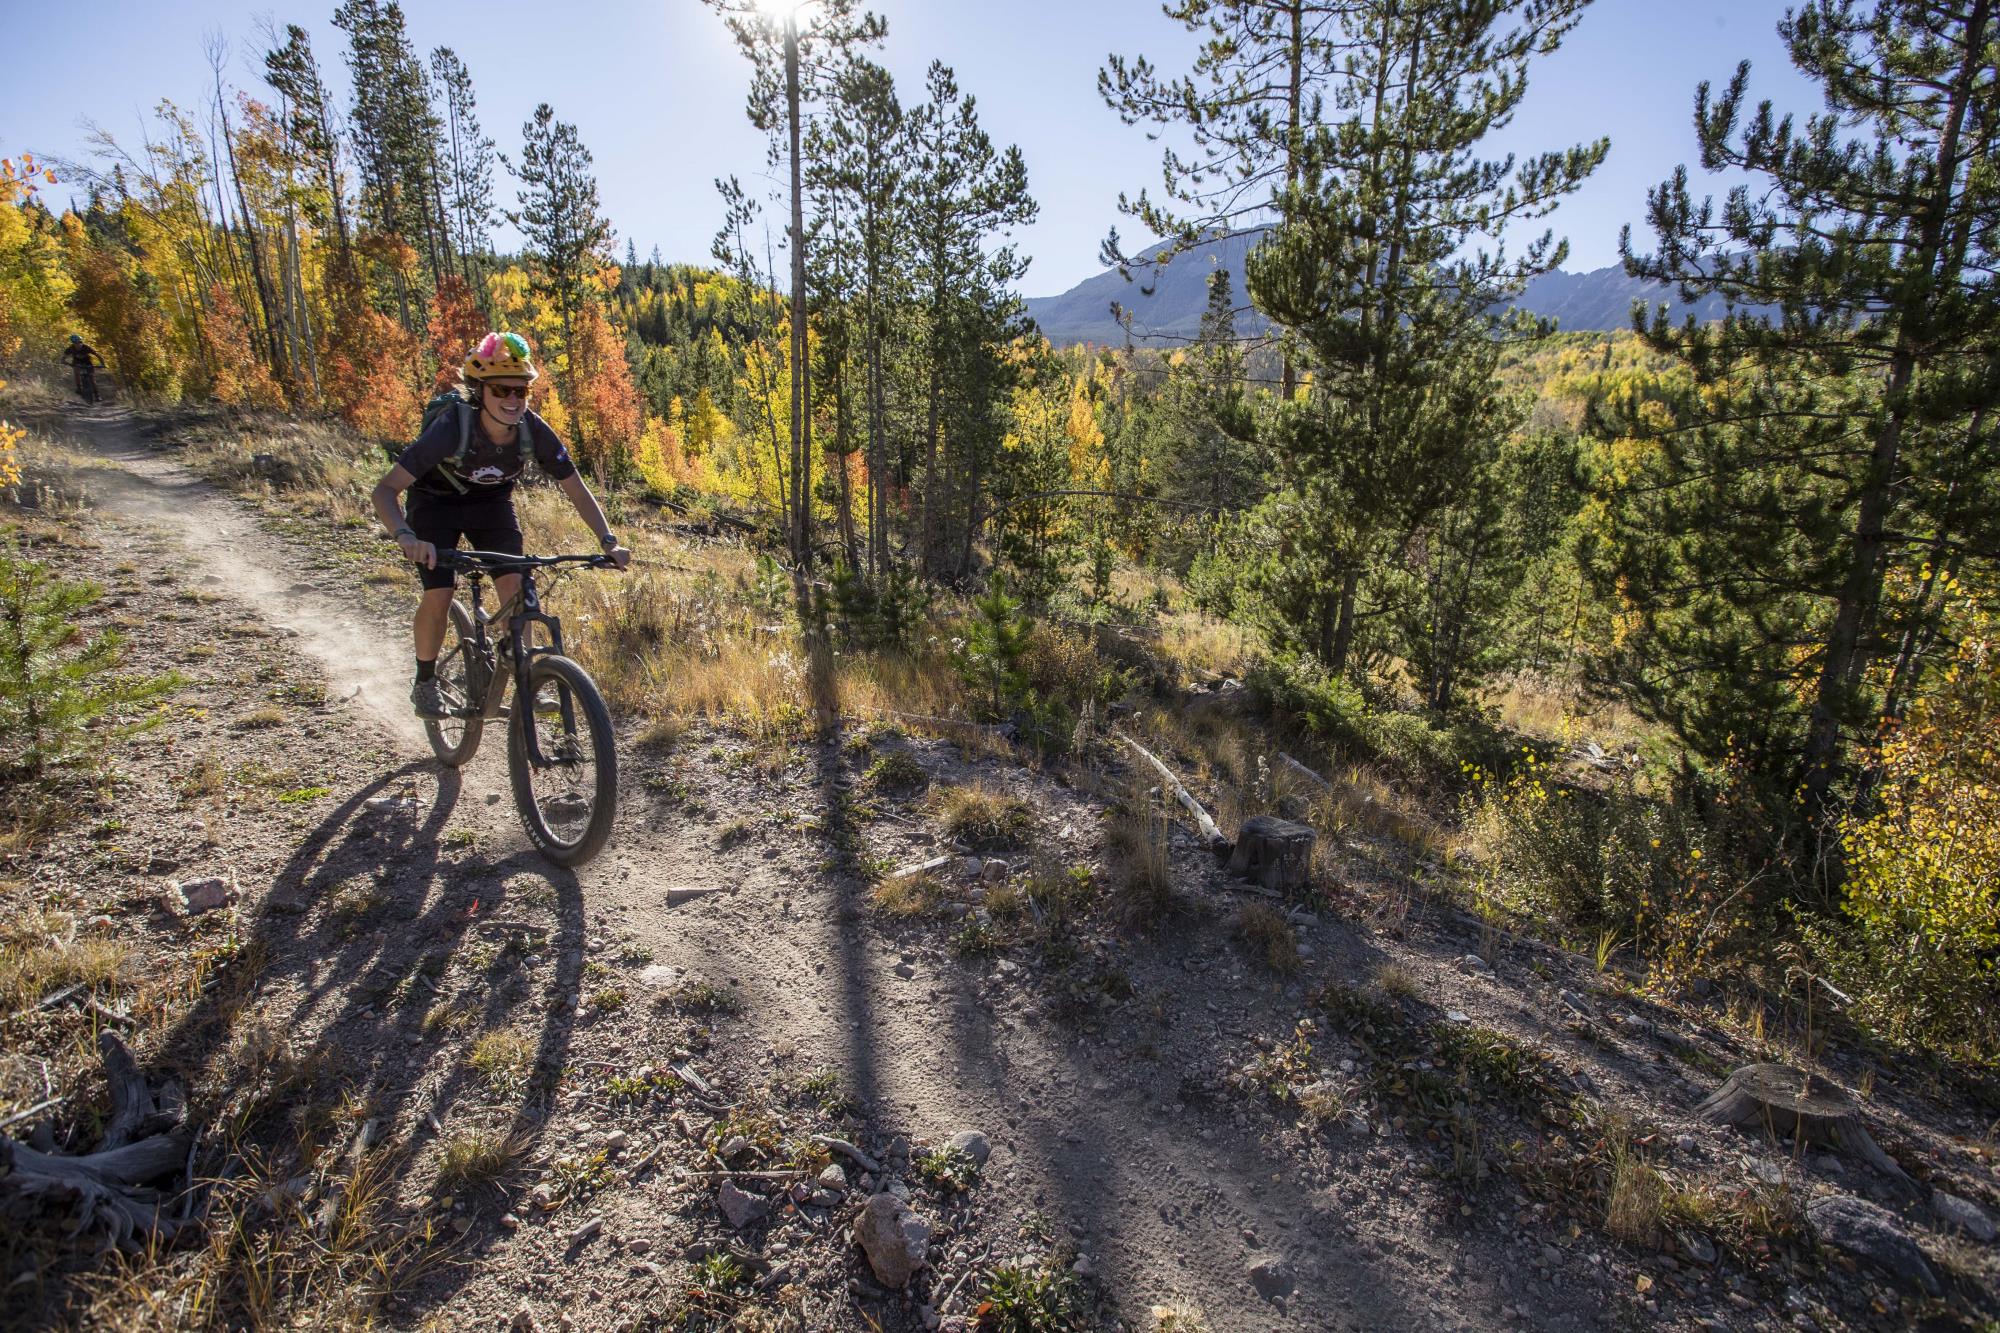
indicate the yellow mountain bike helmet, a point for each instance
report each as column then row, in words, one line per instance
column 500, row 356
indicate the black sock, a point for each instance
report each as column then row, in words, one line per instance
column 426, row 670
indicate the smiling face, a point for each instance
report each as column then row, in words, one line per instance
column 506, row 399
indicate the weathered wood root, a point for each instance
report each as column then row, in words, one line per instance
column 1210, row 833
column 144, row 1142
column 1785, row 1100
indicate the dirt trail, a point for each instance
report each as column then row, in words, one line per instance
column 1167, row 1194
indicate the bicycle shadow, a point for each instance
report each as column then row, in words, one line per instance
column 341, row 1025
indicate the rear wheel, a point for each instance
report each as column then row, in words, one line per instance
column 567, row 800
column 454, row 739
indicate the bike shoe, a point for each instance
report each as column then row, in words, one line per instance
column 428, row 699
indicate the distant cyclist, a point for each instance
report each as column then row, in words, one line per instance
column 460, row 475
column 83, row 361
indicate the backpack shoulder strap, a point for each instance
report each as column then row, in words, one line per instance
column 463, row 410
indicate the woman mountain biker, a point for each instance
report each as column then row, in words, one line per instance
column 461, row 485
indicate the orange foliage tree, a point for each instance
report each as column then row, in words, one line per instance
column 238, row 377
column 373, row 379
column 606, row 415
column 456, row 325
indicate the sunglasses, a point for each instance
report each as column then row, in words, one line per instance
column 508, row 390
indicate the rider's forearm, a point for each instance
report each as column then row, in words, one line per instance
column 586, row 504
column 390, row 510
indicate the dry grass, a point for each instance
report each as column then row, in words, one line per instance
column 1636, row 1204
column 332, row 1258
column 260, row 719
column 503, row 1058
column 982, row 817
column 476, row 1157
column 1179, row 1317
column 1141, row 868
column 1264, row 930
column 1205, row 646
column 1396, row 981
column 1546, row 709
column 907, row 895
column 42, row 952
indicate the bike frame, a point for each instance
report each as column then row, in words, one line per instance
column 484, row 682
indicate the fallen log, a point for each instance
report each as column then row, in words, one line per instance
column 111, row 1187
column 1299, row 770
column 1211, row 835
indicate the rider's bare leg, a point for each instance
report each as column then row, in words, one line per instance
column 433, row 613
column 506, row 587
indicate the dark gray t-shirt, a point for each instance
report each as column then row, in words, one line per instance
column 489, row 470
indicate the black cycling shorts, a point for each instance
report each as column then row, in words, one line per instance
column 484, row 525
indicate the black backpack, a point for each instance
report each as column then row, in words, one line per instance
column 452, row 468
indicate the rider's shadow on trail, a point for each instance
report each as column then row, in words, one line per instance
column 349, row 959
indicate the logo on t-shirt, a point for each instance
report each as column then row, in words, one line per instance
column 486, row 476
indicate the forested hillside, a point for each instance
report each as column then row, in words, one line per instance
column 1661, row 657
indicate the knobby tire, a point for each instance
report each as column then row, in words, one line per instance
column 455, row 740
column 593, row 717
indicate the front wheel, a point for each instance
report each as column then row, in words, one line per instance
column 569, row 796
column 454, row 738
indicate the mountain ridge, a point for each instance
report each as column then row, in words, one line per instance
column 1597, row 300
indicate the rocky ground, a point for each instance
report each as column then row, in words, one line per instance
column 815, row 992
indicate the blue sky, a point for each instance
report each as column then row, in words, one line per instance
column 656, row 91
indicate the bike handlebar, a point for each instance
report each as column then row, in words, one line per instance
column 499, row 562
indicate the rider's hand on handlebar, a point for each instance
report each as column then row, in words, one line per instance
column 417, row 551
column 620, row 556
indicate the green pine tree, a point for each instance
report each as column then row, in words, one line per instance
column 1778, row 550
column 60, row 694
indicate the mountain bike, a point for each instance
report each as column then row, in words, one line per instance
column 86, row 384
column 561, row 755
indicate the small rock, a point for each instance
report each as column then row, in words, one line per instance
column 1473, row 965
column 1686, row 1143
column 509, row 1222
column 739, row 1207
column 1270, row 1275
column 660, row 977
column 971, row 867
column 586, row 1233
column 994, row 872
column 616, row 1141
column 380, row 804
column 195, row 896
column 737, row 1144
column 1577, row 1004
column 1083, row 1267
column 973, row 1144
column 639, row 1246
column 1698, row 1249
column 1959, row 1214
column 542, row 1197
column 905, row 971
column 893, row 1238
column 1457, row 1016
column 1871, row 1233
column 833, row 1178
column 524, row 1319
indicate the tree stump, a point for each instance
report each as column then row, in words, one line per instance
column 1275, row 852
column 144, row 1141
column 1784, row 1100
